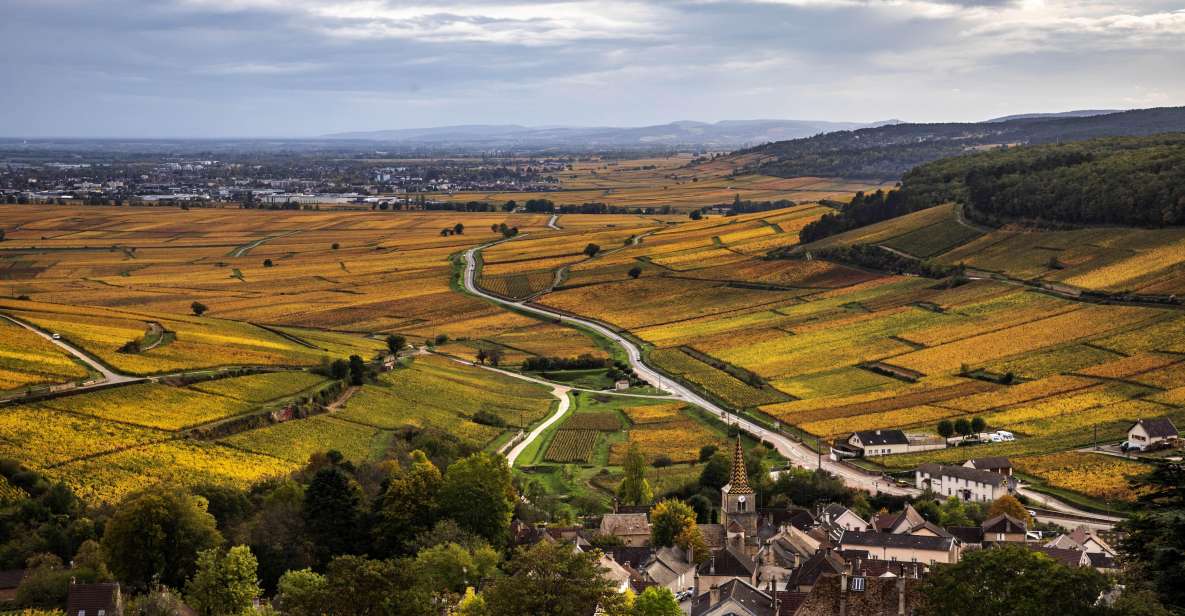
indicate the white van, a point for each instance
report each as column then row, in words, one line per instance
column 995, row 438
column 1005, row 435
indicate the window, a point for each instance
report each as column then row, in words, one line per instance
column 857, row 584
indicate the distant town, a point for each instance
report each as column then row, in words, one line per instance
column 290, row 181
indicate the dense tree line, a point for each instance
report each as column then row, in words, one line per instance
column 877, row 258
column 887, row 152
column 418, row 534
column 1134, row 181
column 582, row 362
column 747, row 206
column 863, row 209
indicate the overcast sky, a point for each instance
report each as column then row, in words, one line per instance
column 308, row 67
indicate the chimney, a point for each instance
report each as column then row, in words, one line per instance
column 714, row 596
column 843, row 593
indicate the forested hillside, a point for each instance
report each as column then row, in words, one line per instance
column 1131, row 181
column 888, row 152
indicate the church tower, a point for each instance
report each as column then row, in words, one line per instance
column 737, row 499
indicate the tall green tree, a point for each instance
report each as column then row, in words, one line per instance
column 717, row 471
column 408, row 506
column 332, row 511
column 361, row 587
column 953, row 513
column 156, row 536
column 357, row 370
column 225, row 583
column 634, row 489
column 395, row 343
column 453, row 568
column 1011, row 580
column 478, row 495
column 669, row 518
column 46, row 582
column 656, row 601
column 1154, row 541
column 302, row 592
column 276, row 533
column 551, row 579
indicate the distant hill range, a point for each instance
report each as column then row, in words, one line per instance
column 887, row 152
column 729, row 134
column 1080, row 113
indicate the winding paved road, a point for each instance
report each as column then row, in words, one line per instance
column 109, row 376
column 797, row 453
column 559, row 391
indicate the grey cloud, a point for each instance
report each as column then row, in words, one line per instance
column 255, row 67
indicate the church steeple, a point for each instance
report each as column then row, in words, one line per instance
column 739, row 484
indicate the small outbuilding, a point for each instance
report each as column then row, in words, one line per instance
column 1147, row 432
column 879, row 442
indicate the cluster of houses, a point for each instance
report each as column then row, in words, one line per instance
column 1143, row 435
column 792, row 561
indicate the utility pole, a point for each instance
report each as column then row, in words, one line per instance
column 819, row 451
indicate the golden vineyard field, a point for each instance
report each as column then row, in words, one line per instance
column 791, row 341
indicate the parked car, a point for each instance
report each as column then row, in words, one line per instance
column 1130, row 446
column 1005, row 436
column 995, row 438
column 56, row 336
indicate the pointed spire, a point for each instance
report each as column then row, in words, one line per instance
column 740, row 480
